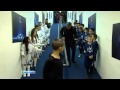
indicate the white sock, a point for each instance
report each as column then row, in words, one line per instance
column 28, row 67
column 31, row 63
column 35, row 62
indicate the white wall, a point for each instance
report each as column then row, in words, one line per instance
column 69, row 19
column 10, row 67
column 10, row 61
column 107, row 67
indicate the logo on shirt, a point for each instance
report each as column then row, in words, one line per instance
column 90, row 49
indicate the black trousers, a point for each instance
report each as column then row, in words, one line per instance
column 71, row 46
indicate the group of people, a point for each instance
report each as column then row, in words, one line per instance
column 33, row 46
column 72, row 37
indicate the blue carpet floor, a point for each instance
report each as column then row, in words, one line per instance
column 76, row 71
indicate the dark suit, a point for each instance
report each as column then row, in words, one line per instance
column 69, row 41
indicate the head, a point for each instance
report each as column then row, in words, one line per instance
column 33, row 34
column 82, row 26
column 91, row 31
column 69, row 25
column 78, row 24
column 75, row 24
column 40, row 24
column 76, row 21
column 86, row 30
column 89, row 39
column 37, row 27
column 46, row 21
column 26, row 41
column 94, row 36
column 49, row 25
column 58, row 45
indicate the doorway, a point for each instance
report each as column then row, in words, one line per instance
column 58, row 14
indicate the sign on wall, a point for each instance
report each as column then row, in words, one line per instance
column 80, row 18
column 36, row 18
column 92, row 22
column 116, row 41
column 18, row 27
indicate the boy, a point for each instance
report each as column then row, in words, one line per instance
column 95, row 43
column 90, row 54
column 53, row 68
column 91, row 31
column 86, row 33
column 81, row 39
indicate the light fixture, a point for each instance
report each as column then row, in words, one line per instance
column 60, row 11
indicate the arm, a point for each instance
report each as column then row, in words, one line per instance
column 74, row 33
column 62, row 32
column 22, row 50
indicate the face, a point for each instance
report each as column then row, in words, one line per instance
column 61, row 49
column 89, row 39
column 46, row 20
column 75, row 25
column 38, row 28
column 40, row 24
column 91, row 32
column 68, row 27
column 86, row 31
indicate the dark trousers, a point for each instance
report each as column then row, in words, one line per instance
column 89, row 66
column 73, row 48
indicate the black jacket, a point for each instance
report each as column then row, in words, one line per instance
column 69, row 35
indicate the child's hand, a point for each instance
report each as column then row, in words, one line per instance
column 91, row 57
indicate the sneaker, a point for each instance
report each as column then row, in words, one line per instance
column 24, row 74
column 28, row 75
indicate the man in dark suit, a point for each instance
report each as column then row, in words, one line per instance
column 68, row 32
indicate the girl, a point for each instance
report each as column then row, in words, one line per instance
column 28, row 52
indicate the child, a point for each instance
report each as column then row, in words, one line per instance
column 86, row 33
column 90, row 54
column 95, row 43
column 91, row 31
column 53, row 68
column 28, row 52
column 81, row 38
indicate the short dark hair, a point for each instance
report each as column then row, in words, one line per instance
column 48, row 25
column 87, row 29
column 75, row 22
column 95, row 36
column 36, row 26
column 39, row 22
column 69, row 24
column 82, row 25
column 92, row 29
column 57, row 43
